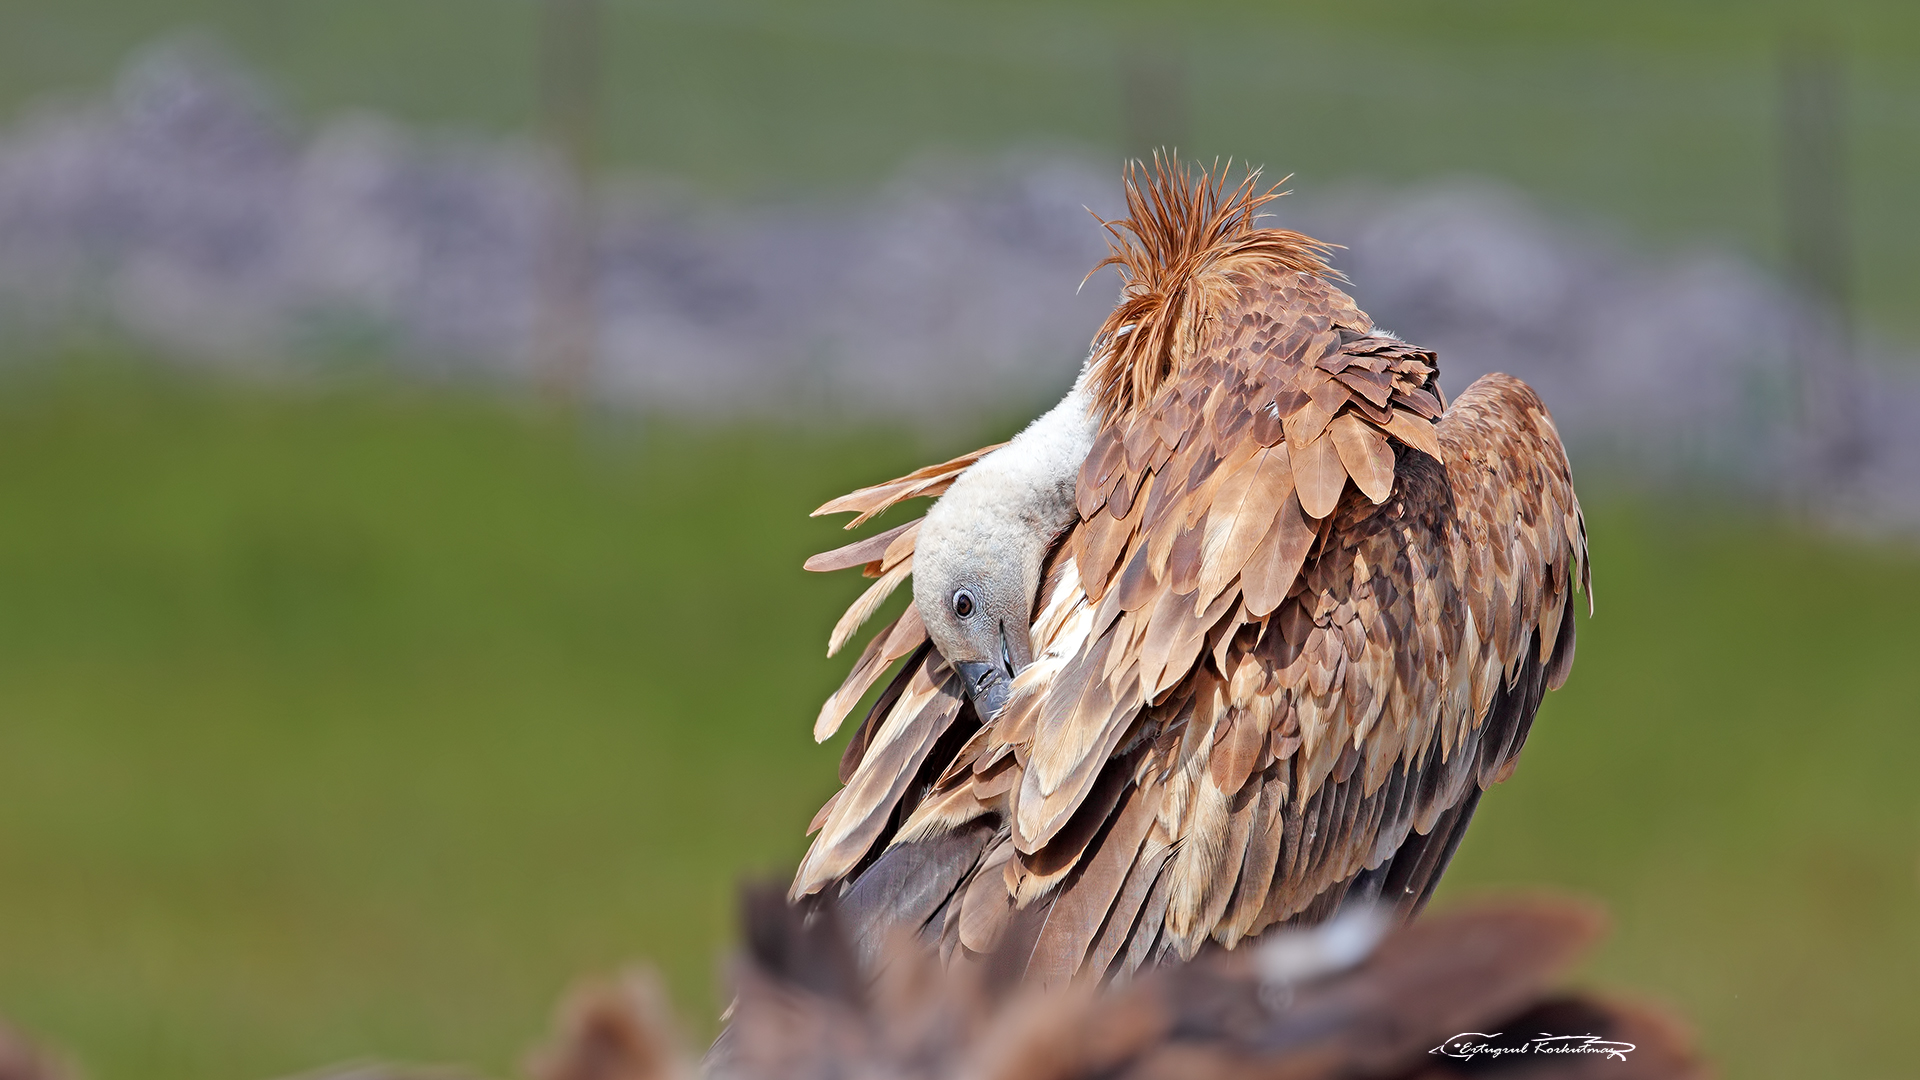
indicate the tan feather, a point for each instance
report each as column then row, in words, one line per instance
column 1193, row 867
column 902, row 742
column 1235, row 526
column 920, row 483
column 1236, row 747
column 1375, row 388
column 1415, row 432
column 1421, row 402
column 1306, row 423
column 1318, row 476
column 1168, row 623
column 1331, row 395
column 1263, row 854
column 825, row 812
column 1183, row 559
column 1041, row 813
column 943, row 812
column 1063, row 850
column 1233, row 853
column 1098, row 472
column 869, row 602
column 900, row 638
column 1119, row 932
column 860, row 551
column 1365, row 455
column 987, row 904
column 1099, row 543
column 1083, row 905
column 901, row 549
column 1270, row 570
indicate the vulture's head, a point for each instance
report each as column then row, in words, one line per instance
column 977, row 560
column 976, row 567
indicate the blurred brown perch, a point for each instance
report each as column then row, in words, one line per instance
column 805, row 1010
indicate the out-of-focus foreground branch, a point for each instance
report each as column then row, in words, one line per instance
column 1452, row 994
column 1458, row 993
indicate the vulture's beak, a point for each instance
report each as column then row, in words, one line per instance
column 988, row 683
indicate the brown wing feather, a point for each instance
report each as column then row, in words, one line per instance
column 1081, row 910
column 860, row 552
column 900, row 637
column 900, row 745
column 921, row 483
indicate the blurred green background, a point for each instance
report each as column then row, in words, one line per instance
column 354, row 718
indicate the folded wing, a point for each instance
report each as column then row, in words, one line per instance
column 1306, row 617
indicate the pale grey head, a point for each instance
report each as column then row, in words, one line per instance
column 977, row 560
column 974, row 578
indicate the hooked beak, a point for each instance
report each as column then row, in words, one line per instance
column 988, row 683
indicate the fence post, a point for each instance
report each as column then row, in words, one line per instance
column 1814, row 216
column 566, row 330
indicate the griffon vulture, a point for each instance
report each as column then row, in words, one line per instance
column 1235, row 634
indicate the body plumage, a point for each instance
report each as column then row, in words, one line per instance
column 1298, row 616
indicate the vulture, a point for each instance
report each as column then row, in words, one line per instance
column 1231, row 639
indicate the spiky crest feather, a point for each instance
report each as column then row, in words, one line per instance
column 1183, row 235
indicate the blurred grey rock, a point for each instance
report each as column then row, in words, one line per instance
column 185, row 210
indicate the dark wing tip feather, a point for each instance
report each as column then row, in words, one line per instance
column 908, row 883
column 807, row 950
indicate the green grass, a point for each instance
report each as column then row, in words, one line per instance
column 1657, row 115
column 357, row 721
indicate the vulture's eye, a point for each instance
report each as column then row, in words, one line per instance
column 962, row 603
